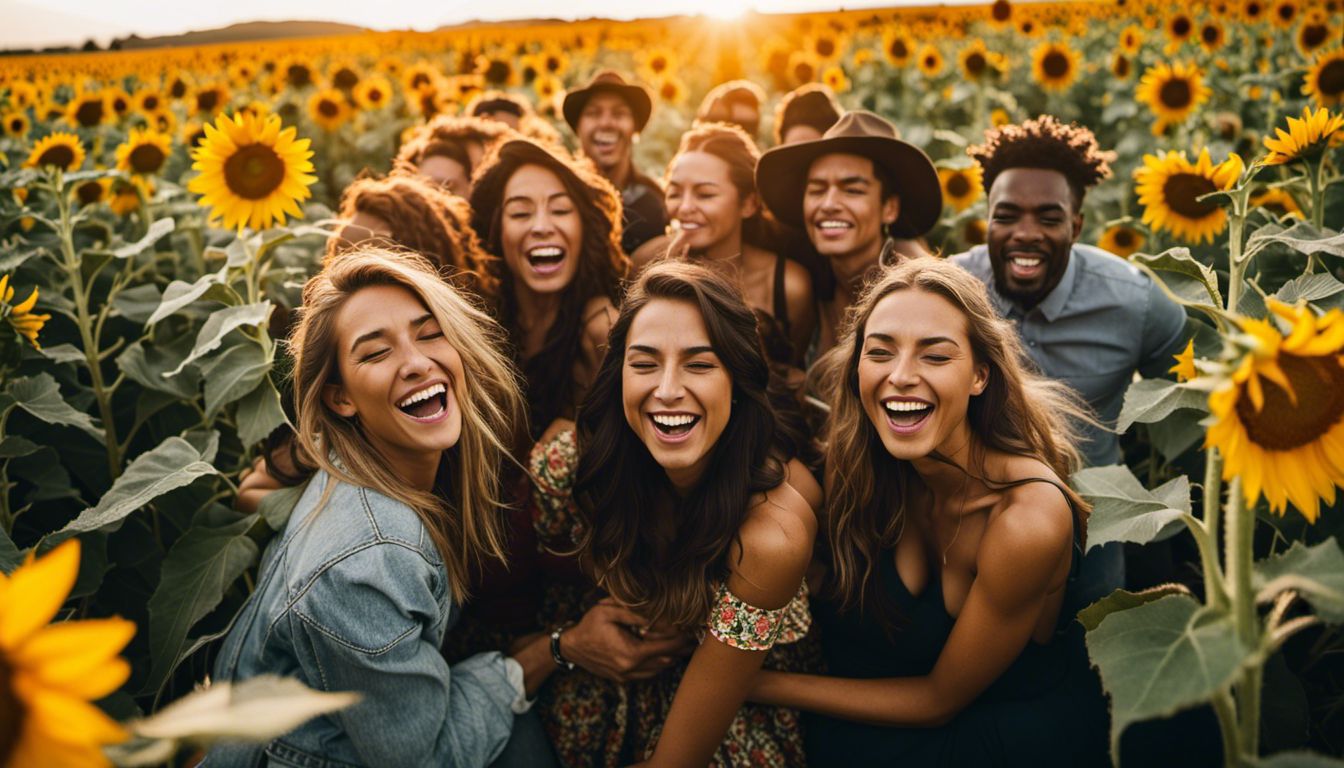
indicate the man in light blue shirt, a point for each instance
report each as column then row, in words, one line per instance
column 1086, row 316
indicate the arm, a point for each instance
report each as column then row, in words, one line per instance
column 598, row 315
column 802, row 308
column 1023, row 560
column 367, row 624
column 1164, row 334
column 776, row 546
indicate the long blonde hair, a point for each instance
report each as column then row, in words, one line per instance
column 465, row 527
column 1018, row 413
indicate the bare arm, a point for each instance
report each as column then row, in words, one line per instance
column 598, row 316
column 802, row 308
column 776, row 548
column 1023, row 561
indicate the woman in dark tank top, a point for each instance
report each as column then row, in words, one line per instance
column 952, row 543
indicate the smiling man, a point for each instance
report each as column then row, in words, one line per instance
column 851, row 191
column 607, row 116
column 1085, row 316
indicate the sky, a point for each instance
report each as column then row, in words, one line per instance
column 36, row 23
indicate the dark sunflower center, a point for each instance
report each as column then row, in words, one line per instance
column 11, row 714
column 1331, row 80
column 150, row 103
column 89, row 113
column 59, row 155
column 298, row 75
column 1028, row 27
column 89, row 192
column 930, row 62
column 958, row 185
column 16, row 125
column 1282, row 425
column 1180, row 27
column 1314, row 35
column 1001, row 10
column 1123, row 238
column 553, row 64
column 1175, row 93
column 1121, row 68
column 975, row 63
column 825, row 47
column 254, row 172
column 1181, row 191
column 178, row 89
column 1253, row 10
column 898, row 49
column 195, row 137
column 804, row 72
column 206, row 101
column 1210, row 34
column 328, row 108
column 345, row 79
column 147, row 158
column 669, row 91
column 498, row 71
column 374, row 94
column 1286, row 11
column 119, row 105
column 1055, row 65
column 419, row 79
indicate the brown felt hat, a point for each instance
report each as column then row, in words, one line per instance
column 608, row 81
column 781, row 175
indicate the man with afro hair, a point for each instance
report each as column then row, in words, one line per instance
column 1085, row 316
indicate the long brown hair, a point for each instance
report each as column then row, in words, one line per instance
column 1018, row 413
column 735, row 148
column 463, row 518
column 448, row 136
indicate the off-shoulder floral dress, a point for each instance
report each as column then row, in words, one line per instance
column 597, row 722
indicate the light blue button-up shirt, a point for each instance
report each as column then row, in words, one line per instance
column 1101, row 323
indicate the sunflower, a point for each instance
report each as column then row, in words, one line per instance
column 961, row 186
column 1131, row 39
column 671, row 90
column 547, row 88
column 51, row 672
column 1306, row 138
column 999, row 117
column 1312, row 35
column 328, row 108
column 295, row 73
column 1179, row 28
column 208, row 100
column 826, row 46
column 1185, row 363
column 418, row 76
column 148, row 101
column 978, row 62
column 344, row 75
column 1169, row 187
column 22, row 95
column 252, row 171
column 60, row 149
column 1325, row 79
column 26, row 323
column 242, row 73
column 1284, row 13
column 127, row 194
column 1253, row 11
column 497, row 70
column 193, row 133
column 91, row 191
column 1278, row 202
column 1121, row 67
column 897, row 48
column 88, row 109
column 1279, row 419
column 373, row 92
column 163, row 121
column 1211, row 36
column 119, row 101
column 17, row 124
column 553, row 61
column 144, row 152
column 834, row 78
column 1121, row 239
column 1054, row 65
column 802, row 68
column 1172, row 92
column 930, row 61
column 178, row 87
column 1000, row 13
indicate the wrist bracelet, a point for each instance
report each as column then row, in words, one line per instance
column 560, row 660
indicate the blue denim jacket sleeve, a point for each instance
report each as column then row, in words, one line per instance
column 371, row 623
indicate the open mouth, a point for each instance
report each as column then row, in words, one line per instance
column 673, row 427
column 427, row 404
column 907, row 416
column 546, row 259
column 833, row 227
column 1026, row 266
column 605, row 139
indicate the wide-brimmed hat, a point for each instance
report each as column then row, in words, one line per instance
column 781, row 175
column 608, row 81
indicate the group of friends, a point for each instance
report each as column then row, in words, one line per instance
column 724, row 468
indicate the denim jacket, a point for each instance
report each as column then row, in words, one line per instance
column 356, row 598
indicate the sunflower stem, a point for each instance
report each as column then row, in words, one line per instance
column 1215, row 591
column 1240, row 557
column 1225, row 707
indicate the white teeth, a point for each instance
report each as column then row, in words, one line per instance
column 1025, row 261
column 905, row 406
column 664, row 420
column 688, row 225
column 605, row 137
column 834, row 225
column 424, row 394
column 546, row 251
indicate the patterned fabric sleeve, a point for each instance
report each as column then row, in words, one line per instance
column 552, row 466
column 742, row 625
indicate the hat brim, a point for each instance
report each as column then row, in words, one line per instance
column 641, row 106
column 781, row 177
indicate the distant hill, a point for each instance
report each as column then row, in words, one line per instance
column 252, row 30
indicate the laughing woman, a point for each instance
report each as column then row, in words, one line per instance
column 684, row 517
column 406, row 408
column 953, row 542
column 555, row 223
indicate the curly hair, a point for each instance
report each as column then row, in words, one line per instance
column 424, row 219
column 447, row 136
column 1048, row 144
column 602, row 266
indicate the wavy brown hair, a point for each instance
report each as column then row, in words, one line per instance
column 1018, row 413
column 646, row 546
column 425, row 219
column 732, row 145
column 463, row 515
column 602, row 265
column 447, row 136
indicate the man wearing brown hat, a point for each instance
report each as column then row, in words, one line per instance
column 851, row 191
column 606, row 115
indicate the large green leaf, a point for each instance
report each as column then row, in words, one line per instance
column 1301, row 237
column 10, row 556
column 277, row 506
column 14, row 446
column 1298, row 759
column 139, row 303
column 40, row 395
column 43, row 471
column 173, row 464
column 1121, row 600
column 1312, row 288
column 259, row 413
column 160, row 229
column 1316, row 573
column 1162, row 657
column 196, row 572
column 1177, row 433
column 1149, row 400
column 148, row 366
column 220, row 323
column 1123, row 510
column 179, row 295
column 1179, row 261
column 232, row 374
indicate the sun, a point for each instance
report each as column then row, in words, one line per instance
column 721, row 10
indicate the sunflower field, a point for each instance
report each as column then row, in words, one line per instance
column 159, row 212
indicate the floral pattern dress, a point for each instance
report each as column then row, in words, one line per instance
column 596, row 722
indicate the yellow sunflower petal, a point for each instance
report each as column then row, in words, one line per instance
column 36, row 591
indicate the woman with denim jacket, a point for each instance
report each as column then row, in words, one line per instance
column 407, row 409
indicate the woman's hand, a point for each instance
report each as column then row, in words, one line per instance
column 609, row 642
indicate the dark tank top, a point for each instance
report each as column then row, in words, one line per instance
column 1046, row 709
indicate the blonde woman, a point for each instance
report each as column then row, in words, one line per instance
column 953, row 542
column 406, row 408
